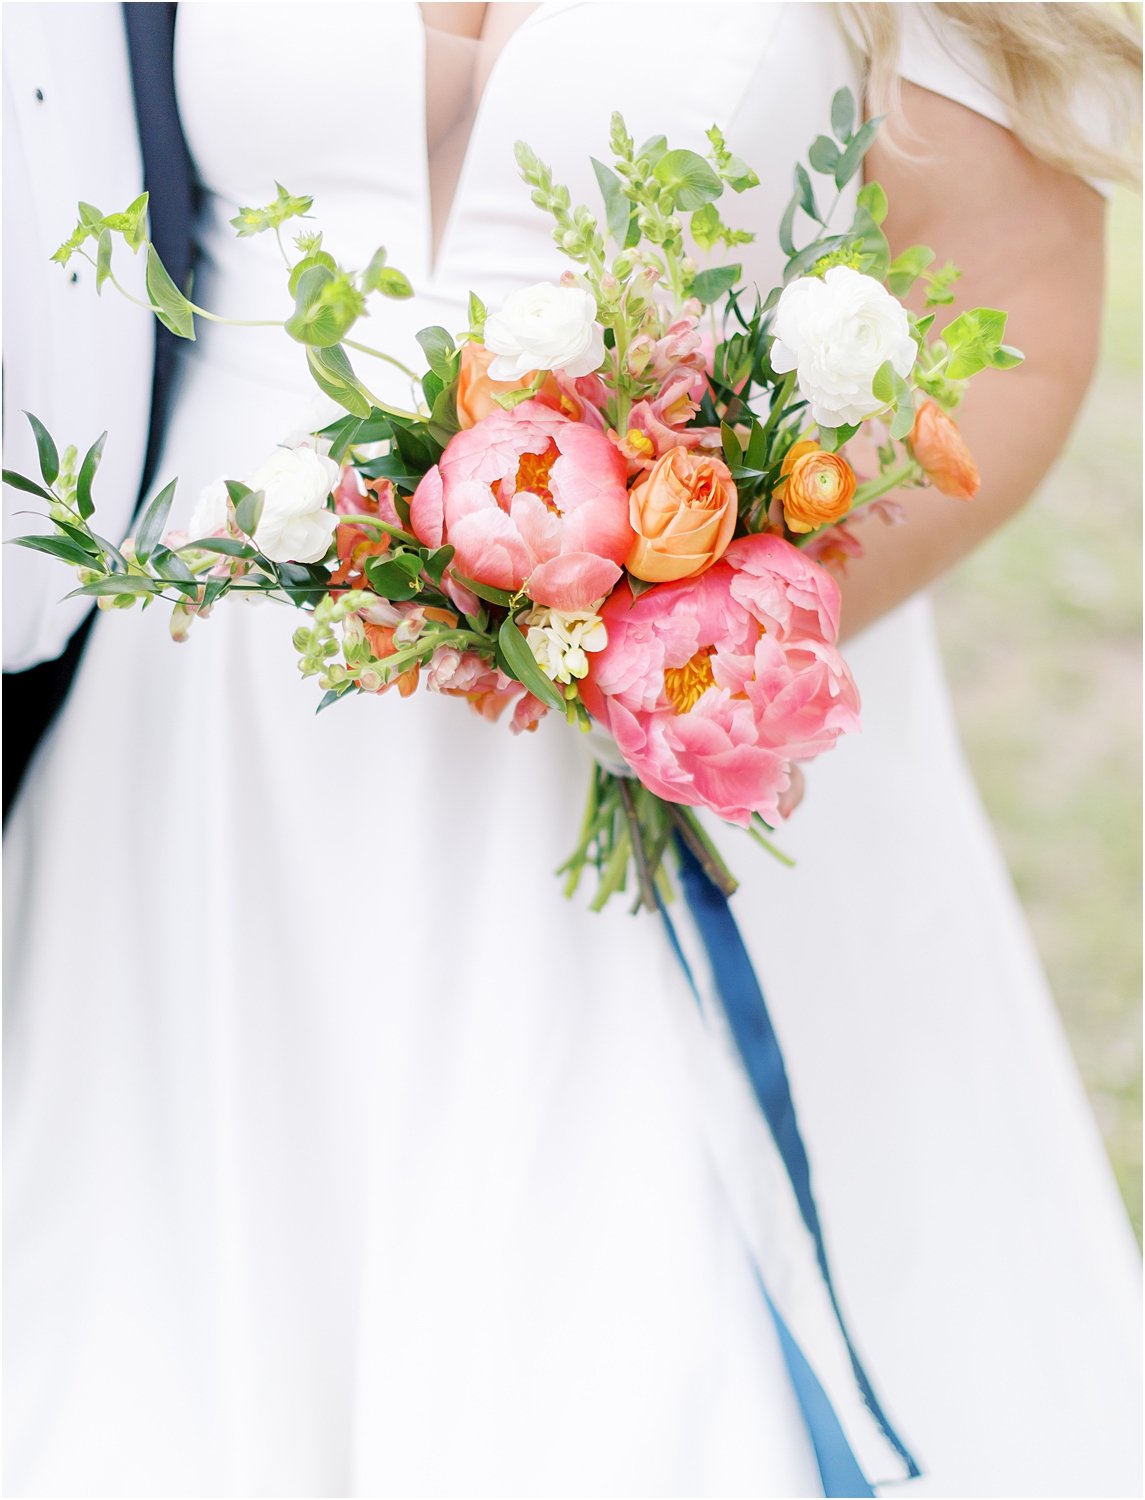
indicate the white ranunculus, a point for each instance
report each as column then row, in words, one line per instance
column 295, row 525
column 545, row 327
column 210, row 513
column 835, row 331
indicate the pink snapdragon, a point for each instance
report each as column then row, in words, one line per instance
column 530, row 500
column 714, row 685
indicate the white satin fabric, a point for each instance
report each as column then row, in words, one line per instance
column 344, row 1155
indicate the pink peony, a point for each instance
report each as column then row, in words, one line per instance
column 712, row 686
column 530, row 500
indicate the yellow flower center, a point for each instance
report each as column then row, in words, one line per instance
column 533, row 474
column 686, row 685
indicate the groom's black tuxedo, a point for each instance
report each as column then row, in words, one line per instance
column 32, row 698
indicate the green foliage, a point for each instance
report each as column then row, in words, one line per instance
column 733, row 170
column 154, row 522
column 521, row 664
column 85, row 505
column 167, row 301
column 46, row 450
column 334, row 374
column 285, row 206
column 974, row 341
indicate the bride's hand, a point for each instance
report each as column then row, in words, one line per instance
column 1029, row 238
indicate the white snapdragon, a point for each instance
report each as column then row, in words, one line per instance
column 545, row 327
column 560, row 639
column 835, row 331
column 295, row 525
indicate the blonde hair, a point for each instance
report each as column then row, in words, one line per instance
column 1039, row 56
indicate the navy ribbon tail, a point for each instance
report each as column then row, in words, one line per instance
column 754, row 1035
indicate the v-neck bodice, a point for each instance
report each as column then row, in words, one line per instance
column 360, row 149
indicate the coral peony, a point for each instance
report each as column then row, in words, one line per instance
column 941, row 450
column 712, row 686
column 530, row 500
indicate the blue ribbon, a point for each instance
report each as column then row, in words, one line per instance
column 754, row 1035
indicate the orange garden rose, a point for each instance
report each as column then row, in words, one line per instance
column 476, row 390
column 941, row 450
column 683, row 512
column 815, row 487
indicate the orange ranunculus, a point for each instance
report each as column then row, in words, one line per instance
column 815, row 487
column 941, row 450
column 475, row 390
column 683, row 512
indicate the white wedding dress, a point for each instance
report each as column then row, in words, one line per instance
column 344, row 1155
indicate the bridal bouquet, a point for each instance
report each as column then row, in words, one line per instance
column 614, row 498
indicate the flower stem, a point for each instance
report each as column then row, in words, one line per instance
column 380, row 354
column 639, row 852
column 891, row 480
column 690, row 829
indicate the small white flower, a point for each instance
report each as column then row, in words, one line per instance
column 835, row 332
column 210, row 513
column 559, row 639
column 295, row 525
column 545, row 327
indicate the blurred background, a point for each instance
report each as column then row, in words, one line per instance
column 1041, row 630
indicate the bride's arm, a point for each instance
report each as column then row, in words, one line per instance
column 1030, row 239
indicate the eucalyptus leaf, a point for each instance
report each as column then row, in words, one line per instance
column 805, row 193
column 523, row 665
column 786, row 225
column 84, row 503
column 45, row 449
column 823, row 155
column 167, row 301
column 708, row 286
column 851, row 159
column 843, row 114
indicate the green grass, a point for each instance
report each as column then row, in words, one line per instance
column 1051, row 722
